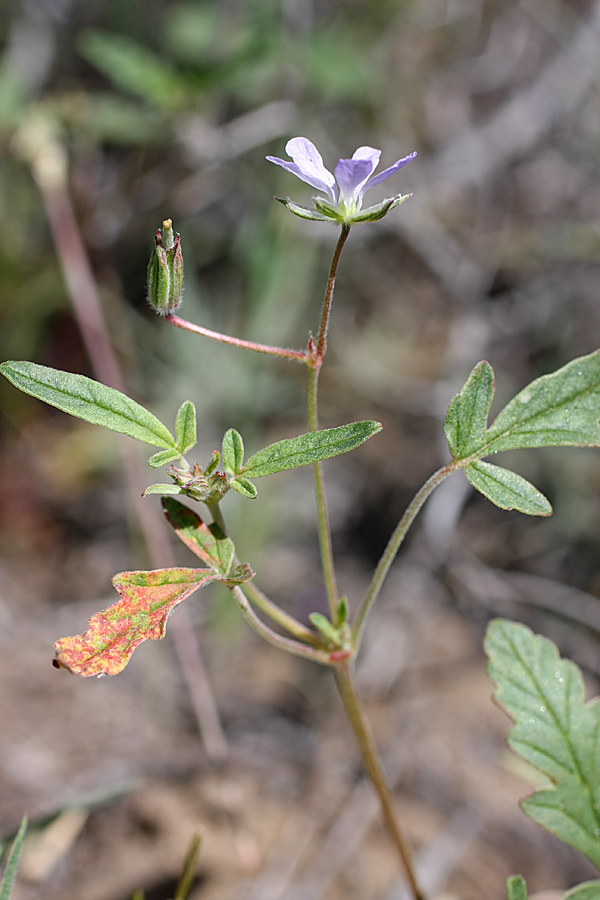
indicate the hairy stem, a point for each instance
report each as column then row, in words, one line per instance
column 316, row 356
column 370, row 756
column 295, row 355
column 284, row 643
column 279, row 616
column 393, row 545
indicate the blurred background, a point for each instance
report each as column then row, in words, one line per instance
column 115, row 114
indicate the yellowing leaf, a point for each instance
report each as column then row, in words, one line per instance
column 141, row 614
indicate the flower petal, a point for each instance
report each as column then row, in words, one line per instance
column 307, row 165
column 351, row 176
column 381, row 176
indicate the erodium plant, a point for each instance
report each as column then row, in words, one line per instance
column 554, row 729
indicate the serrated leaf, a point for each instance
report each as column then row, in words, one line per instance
column 309, row 448
column 232, row 452
column 89, row 400
column 516, row 889
column 163, row 458
column 555, row 730
column 209, row 543
column 587, row 890
column 147, row 598
column 163, row 489
column 185, row 427
column 466, row 419
column 507, row 489
column 12, row 865
column 244, row 487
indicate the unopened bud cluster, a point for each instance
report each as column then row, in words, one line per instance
column 165, row 271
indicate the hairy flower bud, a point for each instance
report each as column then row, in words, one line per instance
column 165, row 271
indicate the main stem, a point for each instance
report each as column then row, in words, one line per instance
column 345, row 682
column 316, row 356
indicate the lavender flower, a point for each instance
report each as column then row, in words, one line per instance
column 345, row 192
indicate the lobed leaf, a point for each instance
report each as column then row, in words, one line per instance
column 141, row 614
column 507, row 489
column 209, row 543
column 309, row 448
column 466, row 419
column 232, row 452
column 185, row 427
column 89, row 400
column 557, row 410
column 555, row 730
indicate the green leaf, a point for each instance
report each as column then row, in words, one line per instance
column 466, row 419
column 10, row 873
column 89, row 400
column 163, row 457
column 207, row 542
column 555, row 731
column 244, row 487
column 507, row 489
column 232, row 452
column 185, row 427
column 326, row 628
column 557, row 410
column 141, row 614
column 309, row 448
column 588, row 890
column 163, row 489
column 516, row 889
column 133, row 67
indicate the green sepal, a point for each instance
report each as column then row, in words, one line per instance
column 330, row 211
column 89, row 400
column 516, row 889
column 244, row 487
column 303, row 212
column 213, row 464
column 309, row 448
column 507, row 489
column 232, row 452
column 163, row 457
column 185, row 427
column 162, row 489
column 466, row 419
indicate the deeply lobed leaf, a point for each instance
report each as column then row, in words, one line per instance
column 555, row 730
column 147, row 599
column 89, row 400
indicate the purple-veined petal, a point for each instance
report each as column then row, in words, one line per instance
column 351, row 176
column 307, row 165
column 381, row 176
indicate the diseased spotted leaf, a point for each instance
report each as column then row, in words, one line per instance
column 89, row 400
column 141, row 614
column 207, row 542
column 555, row 730
column 507, row 489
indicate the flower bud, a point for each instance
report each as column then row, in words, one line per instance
column 165, row 271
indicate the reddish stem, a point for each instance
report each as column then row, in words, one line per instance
column 282, row 352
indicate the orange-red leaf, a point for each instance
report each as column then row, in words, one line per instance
column 141, row 614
